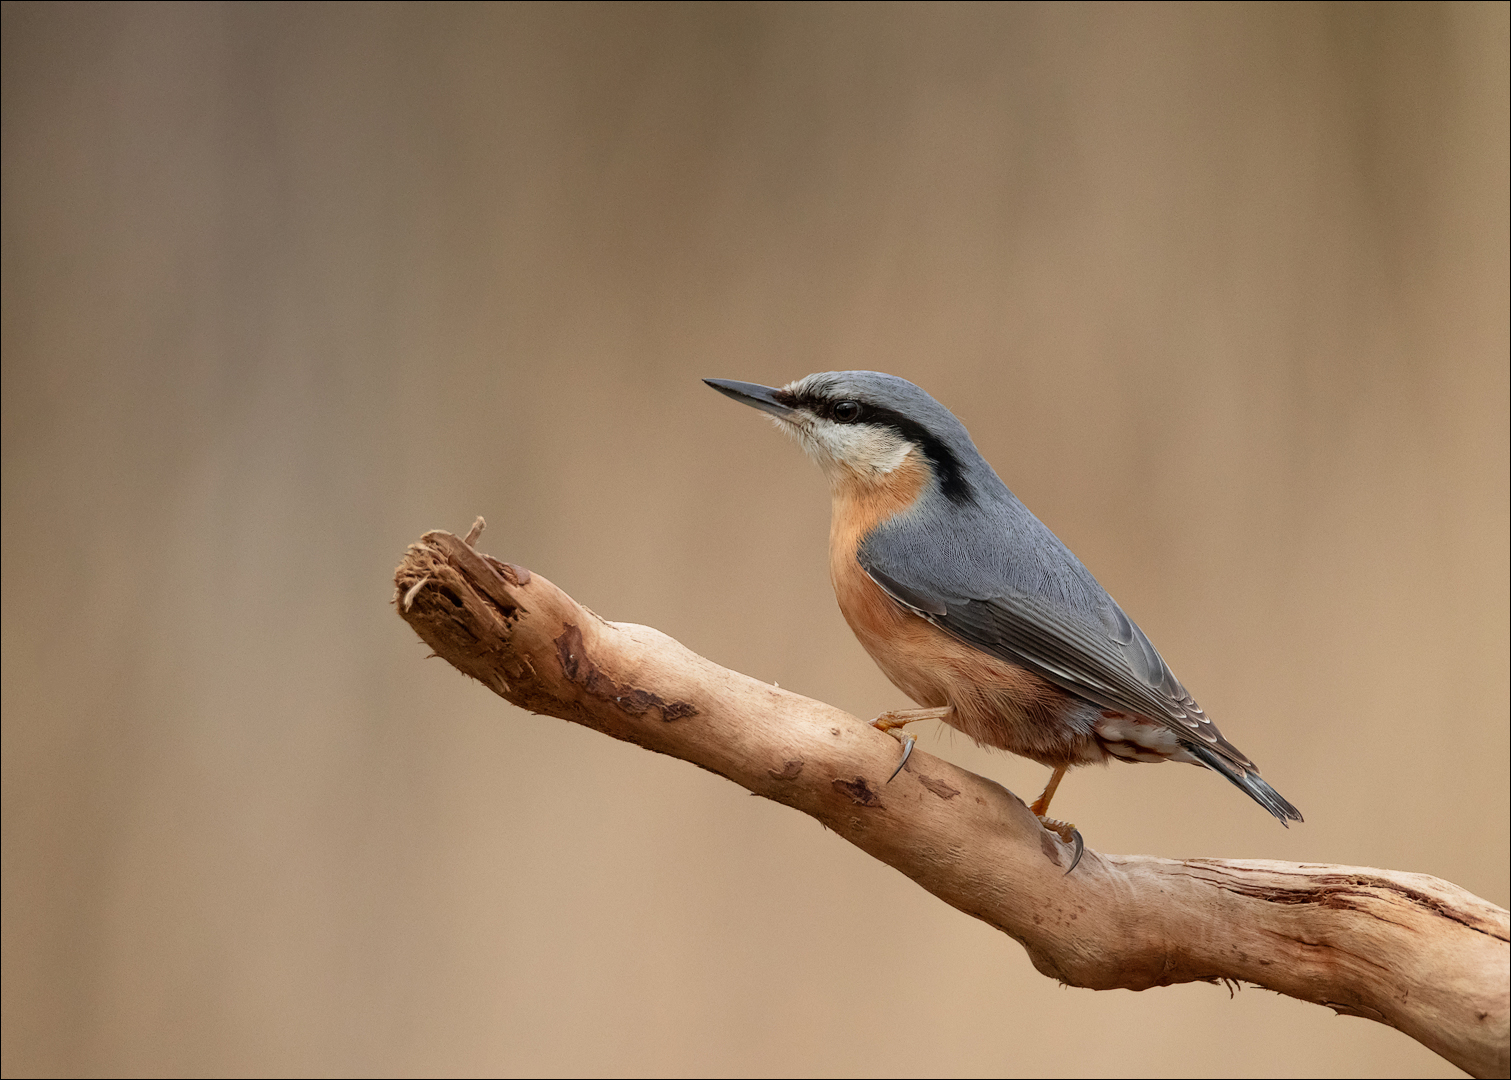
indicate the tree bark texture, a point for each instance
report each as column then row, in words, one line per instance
column 1408, row 950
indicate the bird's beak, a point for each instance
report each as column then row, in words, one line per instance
column 753, row 394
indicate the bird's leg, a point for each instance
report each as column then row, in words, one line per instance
column 891, row 721
column 1041, row 804
column 1067, row 832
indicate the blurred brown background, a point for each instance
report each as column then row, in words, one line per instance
column 1220, row 290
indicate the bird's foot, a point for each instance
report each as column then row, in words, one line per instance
column 891, row 722
column 1066, row 832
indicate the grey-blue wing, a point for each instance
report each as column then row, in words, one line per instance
column 1086, row 646
column 1117, row 670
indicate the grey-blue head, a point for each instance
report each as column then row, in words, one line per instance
column 865, row 424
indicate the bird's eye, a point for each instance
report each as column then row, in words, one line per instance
column 847, row 412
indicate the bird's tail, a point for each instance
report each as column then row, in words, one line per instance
column 1248, row 781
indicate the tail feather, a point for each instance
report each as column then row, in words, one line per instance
column 1250, row 783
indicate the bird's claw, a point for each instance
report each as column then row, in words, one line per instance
column 1068, row 833
column 1080, row 846
column 907, row 752
column 893, row 722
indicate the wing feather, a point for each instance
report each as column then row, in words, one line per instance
column 1113, row 666
column 1049, row 615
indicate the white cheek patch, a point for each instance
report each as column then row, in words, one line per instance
column 857, row 448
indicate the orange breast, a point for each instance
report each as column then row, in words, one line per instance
column 995, row 702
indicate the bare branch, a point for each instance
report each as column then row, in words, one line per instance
column 1407, row 950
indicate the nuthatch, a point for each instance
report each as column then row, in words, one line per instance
column 971, row 606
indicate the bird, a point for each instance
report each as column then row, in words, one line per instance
column 972, row 607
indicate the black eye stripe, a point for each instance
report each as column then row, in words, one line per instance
column 946, row 465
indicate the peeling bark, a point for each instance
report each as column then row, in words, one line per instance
column 1407, row 950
